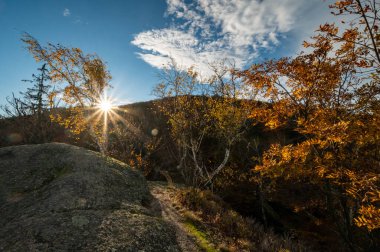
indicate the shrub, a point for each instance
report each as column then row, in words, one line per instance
column 245, row 232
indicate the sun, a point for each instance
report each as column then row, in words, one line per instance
column 105, row 105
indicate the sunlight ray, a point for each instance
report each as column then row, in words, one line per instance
column 97, row 114
column 126, row 123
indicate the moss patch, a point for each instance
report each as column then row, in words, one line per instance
column 200, row 235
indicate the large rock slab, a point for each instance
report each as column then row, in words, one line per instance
column 58, row 197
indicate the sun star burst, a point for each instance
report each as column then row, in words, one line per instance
column 105, row 106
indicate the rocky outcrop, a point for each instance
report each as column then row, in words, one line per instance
column 58, row 197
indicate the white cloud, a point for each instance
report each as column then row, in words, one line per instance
column 160, row 46
column 66, row 12
column 206, row 31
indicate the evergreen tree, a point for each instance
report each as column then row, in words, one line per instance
column 36, row 96
column 36, row 102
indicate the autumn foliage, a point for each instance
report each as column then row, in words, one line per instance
column 201, row 112
column 330, row 96
column 80, row 81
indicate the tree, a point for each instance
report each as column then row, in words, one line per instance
column 14, row 107
column 364, row 21
column 36, row 99
column 33, row 108
column 330, row 97
column 205, row 118
column 83, row 79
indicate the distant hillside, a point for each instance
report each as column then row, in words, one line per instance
column 143, row 122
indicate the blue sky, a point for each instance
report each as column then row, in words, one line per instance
column 138, row 37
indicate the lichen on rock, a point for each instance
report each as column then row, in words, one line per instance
column 58, row 197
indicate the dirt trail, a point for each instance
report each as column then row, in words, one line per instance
column 171, row 213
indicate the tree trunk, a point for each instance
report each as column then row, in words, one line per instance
column 342, row 228
column 220, row 167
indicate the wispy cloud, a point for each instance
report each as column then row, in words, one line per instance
column 66, row 12
column 160, row 46
column 206, row 31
